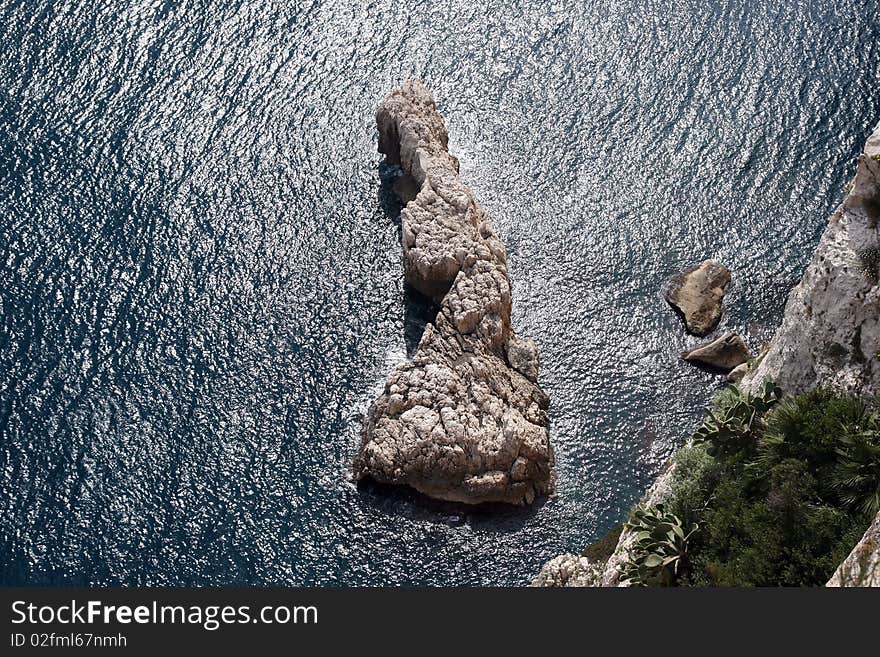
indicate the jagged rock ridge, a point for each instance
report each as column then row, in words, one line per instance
column 465, row 421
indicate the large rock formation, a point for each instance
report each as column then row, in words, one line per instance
column 464, row 421
column 697, row 294
column 830, row 336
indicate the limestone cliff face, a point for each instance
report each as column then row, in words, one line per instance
column 465, row 421
column 830, row 336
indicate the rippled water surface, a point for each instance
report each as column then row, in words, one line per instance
column 202, row 283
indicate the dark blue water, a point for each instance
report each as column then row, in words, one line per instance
column 202, row 286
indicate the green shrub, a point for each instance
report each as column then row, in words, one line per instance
column 856, row 477
column 660, row 553
column 695, row 475
column 809, row 427
column 781, row 492
column 781, row 537
column 732, row 427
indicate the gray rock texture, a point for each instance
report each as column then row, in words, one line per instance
column 724, row 353
column 737, row 373
column 862, row 566
column 830, row 333
column 570, row 570
column 465, row 420
column 697, row 294
column 522, row 354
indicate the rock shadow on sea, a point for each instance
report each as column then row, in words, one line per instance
column 418, row 309
column 407, row 502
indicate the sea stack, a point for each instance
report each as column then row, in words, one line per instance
column 465, row 420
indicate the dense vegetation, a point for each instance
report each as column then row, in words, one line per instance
column 770, row 492
column 660, row 553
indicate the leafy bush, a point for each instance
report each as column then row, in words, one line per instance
column 809, row 427
column 779, row 536
column 781, row 491
column 695, row 476
column 856, row 479
column 837, row 436
column 659, row 555
column 732, row 427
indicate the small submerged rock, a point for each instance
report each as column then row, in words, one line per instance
column 724, row 353
column 697, row 294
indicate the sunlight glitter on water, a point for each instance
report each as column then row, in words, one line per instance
column 202, row 279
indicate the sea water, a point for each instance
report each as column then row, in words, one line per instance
column 202, row 285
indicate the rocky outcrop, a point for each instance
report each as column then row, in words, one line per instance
column 697, row 294
column 522, row 354
column 829, row 337
column 465, row 420
column 830, row 334
column 570, row 570
column 658, row 493
column 723, row 353
column 862, row 566
column 872, row 145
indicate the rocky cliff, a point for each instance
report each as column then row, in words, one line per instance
column 830, row 333
column 830, row 336
column 465, row 420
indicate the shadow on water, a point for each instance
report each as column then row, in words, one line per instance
column 388, row 199
column 409, row 503
column 419, row 310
